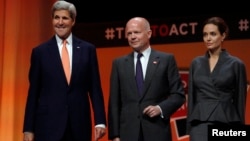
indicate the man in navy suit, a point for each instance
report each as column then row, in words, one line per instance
column 144, row 116
column 57, row 110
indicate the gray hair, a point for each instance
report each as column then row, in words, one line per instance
column 63, row 5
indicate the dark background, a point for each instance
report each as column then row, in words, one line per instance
column 108, row 11
column 95, row 17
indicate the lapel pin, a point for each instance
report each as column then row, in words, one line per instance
column 154, row 62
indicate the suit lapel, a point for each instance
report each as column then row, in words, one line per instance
column 55, row 60
column 76, row 54
column 153, row 63
column 130, row 71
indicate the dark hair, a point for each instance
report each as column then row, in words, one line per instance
column 220, row 23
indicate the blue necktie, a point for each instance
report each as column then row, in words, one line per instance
column 139, row 74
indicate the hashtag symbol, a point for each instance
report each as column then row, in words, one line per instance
column 110, row 33
column 243, row 25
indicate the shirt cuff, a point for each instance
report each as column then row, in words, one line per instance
column 161, row 111
column 101, row 125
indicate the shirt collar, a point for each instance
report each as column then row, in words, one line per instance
column 145, row 53
column 60, row 41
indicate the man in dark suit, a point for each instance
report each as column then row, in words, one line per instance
column 57, row 109
column 144, row 116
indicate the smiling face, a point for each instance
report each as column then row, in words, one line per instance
column 138, row 34
column 212, row 37
column 62, row 23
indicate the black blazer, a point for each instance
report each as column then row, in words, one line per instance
column 162, row 87
column 51, row 101
column 219, row 96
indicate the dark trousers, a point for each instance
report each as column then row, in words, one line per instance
column 199, row 132
column 68, row 133
column 141, row 135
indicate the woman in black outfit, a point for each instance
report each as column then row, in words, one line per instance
column 217, row 84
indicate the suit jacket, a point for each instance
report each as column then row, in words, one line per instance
column 51, row 102
column 220, row 95
column 162, row 86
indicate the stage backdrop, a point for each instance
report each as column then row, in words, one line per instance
column 181, row 36
column 24, row 25
column 184, row 53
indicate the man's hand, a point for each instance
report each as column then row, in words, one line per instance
column 28, row 136
column 152, row 111
column 99, row 133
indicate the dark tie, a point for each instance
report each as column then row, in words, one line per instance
column 139, row 74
